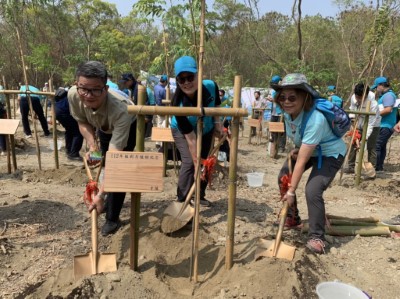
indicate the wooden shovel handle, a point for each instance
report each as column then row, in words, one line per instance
column 278, row 238
column 94, row 241
column 88, row 173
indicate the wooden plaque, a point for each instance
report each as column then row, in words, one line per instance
column 254, row 122
column 161, row 134
column 133, row 172
column 8, row 126
column 278, row 127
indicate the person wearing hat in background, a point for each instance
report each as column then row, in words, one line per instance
column 362, row 95
column 333, row 97
column 37, row 108
column 276, row 113
column 96, row 106
column 388, row 113
column 296, row 97
column 184, row 128
column 160, row 94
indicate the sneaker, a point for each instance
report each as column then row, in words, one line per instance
column 316, row 245
column 203, row 202
column 28, row 136
column 74, row 158
column 393, row 221
column 290, row 223
column 110, row 227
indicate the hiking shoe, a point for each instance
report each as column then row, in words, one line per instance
column 316, row 245
column 110, row 227
column 393, row 221
column 28, row 136
column 75, row 158
column 203, row 202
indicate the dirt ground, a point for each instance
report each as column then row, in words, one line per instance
column 44, row 224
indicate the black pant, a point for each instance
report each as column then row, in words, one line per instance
column 115, row 200
column 317, row 183
column 186, row 173
column 37, row 108
column 73, row 137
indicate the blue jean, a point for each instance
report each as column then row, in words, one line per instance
column 38, row 109
column 383, row 138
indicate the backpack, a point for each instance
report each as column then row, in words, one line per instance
column 338, row 120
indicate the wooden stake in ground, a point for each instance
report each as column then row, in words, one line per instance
column 28, row 96
column 135, row 197
column 230, row 240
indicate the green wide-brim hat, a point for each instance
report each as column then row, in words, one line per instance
column 295, row 81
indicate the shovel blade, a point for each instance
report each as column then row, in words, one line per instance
column 265, row 248
column 173, row 220
column 106, row 262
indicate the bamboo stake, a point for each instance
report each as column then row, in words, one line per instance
column 364, row 231
column 230, row 240
column 165, row 144
column 365, row 219
column 195, row 248
column 185, row 111
column 135, row 197
column 10, row 141
column 27, row 92
column 362, row 146
column 29, row 98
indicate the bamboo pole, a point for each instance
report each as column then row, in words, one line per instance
column 54, row 125
column 230, row 240
column 10, row 140
column 185, row 111
column 165, row 144
column 195, row 248
column 14, row 107
column 362, row 146
column 135, row 197
column 27, row 92
column 365, row 219
column 29, row 98
column 365, row 231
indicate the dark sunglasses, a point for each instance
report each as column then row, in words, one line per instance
column 182, row 80
column 291, row 99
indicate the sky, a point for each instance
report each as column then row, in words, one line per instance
column 309, row 7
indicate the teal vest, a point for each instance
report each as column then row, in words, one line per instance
column 209, row 99
column 389, row 120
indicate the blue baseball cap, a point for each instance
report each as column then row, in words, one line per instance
column 378, row 81
column 185, row 64
column 275, row 79
column 164, row 78
column 331, row 88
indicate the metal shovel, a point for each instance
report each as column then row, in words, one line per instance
column 178, row 214
column 94, row 262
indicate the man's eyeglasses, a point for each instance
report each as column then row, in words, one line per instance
column 291, row 99
column 96, row 92
column 182, row 80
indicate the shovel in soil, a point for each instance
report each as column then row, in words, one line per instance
column 178, row 214
column 278, row 249
column 93, row 262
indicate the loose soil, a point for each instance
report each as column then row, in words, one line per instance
column 44, row 224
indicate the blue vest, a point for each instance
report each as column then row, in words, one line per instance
column 389, row 120
column 208, row 101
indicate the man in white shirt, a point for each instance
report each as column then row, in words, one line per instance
column 362, row 92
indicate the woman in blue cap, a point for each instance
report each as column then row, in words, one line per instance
column 295, row 96
column 184, row 127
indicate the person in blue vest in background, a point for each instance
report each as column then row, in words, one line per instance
column 333, row 97
column 184, row 127
column 111, row 84
column 276, row 113
column 388, row 112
